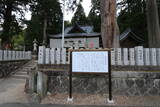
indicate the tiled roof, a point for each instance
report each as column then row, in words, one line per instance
column 87, row 29
column 128, row 32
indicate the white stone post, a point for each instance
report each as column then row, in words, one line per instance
column 153, row 57
column 30, row 55
column 52, row 53
column 158, row 56
column 1, row 55
column 139, row 56
column 41, row 55
column 131, row 56
column 125, row 56
column 23, row 54
column 68, row 62
column 9, row 55
column 63, row 55
column 19, row 55
column 146, row 56
column 47, row 55
column 113, row 58
column 16, row 55
column 58, row 56
column 5, row 55
column 119, row 56
column 13, row 55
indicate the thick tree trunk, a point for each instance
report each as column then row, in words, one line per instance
column 44, row 31
column 153, row 24
column 116, row 42
column 108, row 24
column 6, row 36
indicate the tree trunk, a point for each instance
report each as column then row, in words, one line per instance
column 108, row 24
column 153, row 24
column 6, row 36
column 44, row 31
column 116, row 39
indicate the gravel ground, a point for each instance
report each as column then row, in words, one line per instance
column 86, row 99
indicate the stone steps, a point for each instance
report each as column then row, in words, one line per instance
column 19, row 77
column 22, row 72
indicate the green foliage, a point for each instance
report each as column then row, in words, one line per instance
column 133, row 15
column 8, row 19
column 79, row 16
column 94, row 16
column 43, row 8
column 18, row 41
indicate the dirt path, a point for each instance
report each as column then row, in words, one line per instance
column 12, row 88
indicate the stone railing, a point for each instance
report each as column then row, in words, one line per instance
column 8, row 55
column 11, row 60
column 137, row 56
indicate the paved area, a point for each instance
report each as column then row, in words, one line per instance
column 12, row 88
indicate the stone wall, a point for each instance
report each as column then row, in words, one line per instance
column 123, row 83
column 7, row 67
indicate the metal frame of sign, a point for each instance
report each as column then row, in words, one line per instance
column 109, row 70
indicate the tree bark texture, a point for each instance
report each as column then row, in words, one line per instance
column 44, row 31
column 108, row 24
column 6, row 36
column 153, row 24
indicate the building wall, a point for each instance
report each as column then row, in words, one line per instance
column 92, row 42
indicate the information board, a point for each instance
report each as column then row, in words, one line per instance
column 90, row 62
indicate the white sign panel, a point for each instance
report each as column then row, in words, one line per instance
column 90, row 61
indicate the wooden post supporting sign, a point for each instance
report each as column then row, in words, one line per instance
column 90, row 61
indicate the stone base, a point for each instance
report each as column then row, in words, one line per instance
column 110, row 101
column 70, row 100
column 123, row 83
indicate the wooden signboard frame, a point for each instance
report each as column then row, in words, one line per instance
column 108, row 73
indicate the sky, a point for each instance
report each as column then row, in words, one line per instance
column 68, row 15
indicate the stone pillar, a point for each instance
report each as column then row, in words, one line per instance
column 119, row 56
column 23, row 54
column 132, row 56
column 13, row 55
column 52, row 53
column 16, row 58
column 30, row 54
column 47, row 55
column 19, row 55
column 5, row 55
column 146, row 56
column 41, row 55
column 158, row 56
column 32, row 81
column 153, row 57
column 125, row 56
column 139, row 56
column 113, row 58
column 9, row 55
column 58, row 56
column 1, row 55
column 63, row 56
column 42, row 84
